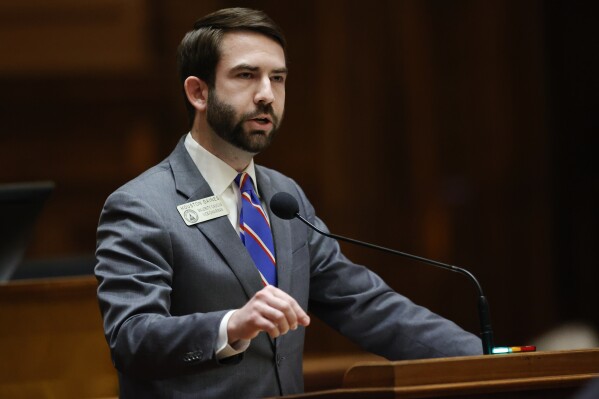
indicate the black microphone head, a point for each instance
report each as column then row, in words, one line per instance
column 284, row 205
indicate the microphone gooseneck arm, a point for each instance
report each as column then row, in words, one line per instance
column 483, row 306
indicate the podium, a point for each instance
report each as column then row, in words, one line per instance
column 544, row 375
column 52, row 345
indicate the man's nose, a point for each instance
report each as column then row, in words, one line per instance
column 264, row 93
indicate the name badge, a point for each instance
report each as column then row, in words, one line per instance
column 202, row 210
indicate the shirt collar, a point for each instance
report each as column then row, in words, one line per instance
column 218, row 174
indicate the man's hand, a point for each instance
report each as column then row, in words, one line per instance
column 270, row 310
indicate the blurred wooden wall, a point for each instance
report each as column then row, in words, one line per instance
column 426, row 126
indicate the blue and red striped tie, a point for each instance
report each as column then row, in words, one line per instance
column 255, row 230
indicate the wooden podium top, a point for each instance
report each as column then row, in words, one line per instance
column 532, row 375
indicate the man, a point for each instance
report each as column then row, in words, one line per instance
column 192, row 309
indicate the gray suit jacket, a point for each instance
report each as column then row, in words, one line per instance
column 165, row 286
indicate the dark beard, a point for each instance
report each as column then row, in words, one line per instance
column 221, row 118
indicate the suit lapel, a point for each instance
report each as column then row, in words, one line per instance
column 190, row 182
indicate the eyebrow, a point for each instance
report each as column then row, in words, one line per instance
column 253, row 68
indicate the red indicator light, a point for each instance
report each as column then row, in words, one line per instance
column 528, row 348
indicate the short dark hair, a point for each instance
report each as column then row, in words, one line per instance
column 199, row 51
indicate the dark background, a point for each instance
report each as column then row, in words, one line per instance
column 463, row 131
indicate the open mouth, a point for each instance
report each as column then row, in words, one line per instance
column 262, row 120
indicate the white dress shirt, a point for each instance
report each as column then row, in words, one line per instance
column 220, row 177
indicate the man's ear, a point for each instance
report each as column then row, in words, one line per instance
column 196, row 91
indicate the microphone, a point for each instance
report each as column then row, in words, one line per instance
column 285, row 206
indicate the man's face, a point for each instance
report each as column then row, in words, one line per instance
column 245, row 107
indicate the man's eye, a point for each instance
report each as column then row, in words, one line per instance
column 278, row 78
column 245, row 75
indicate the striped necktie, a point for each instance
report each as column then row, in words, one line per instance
column 255, row 230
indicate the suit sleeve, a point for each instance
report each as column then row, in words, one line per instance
column 356, row 302
column 134, row 273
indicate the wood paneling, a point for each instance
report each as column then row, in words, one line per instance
column 52, row 343
column 73, row 37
